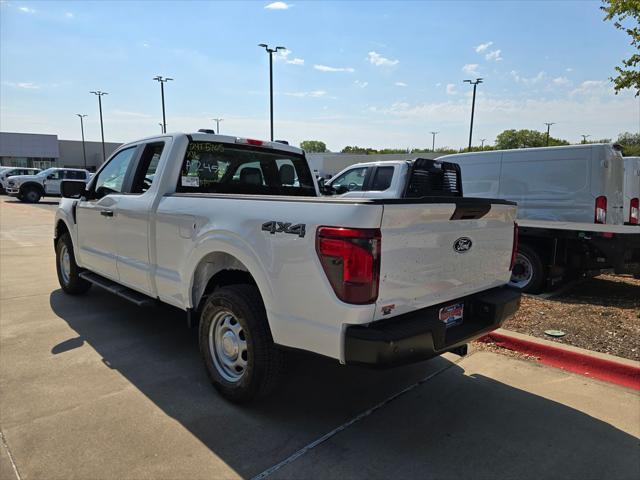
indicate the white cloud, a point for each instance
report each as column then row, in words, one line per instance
column 69, row 15
column 379, row 61
column 471, row 68
column 278, row 6
column 528, row 81
column 400, row 84
column 438, row 84
column 283, row 55
column 483, row 46
column 494, row 55
column 360, row 84
column 127, row 113
column 451, row 89
column 313, row 94
column 23, row 85
column 26, row 10
column 325, row 68
column 569, row 69
column 561, row 81
column 593, row 88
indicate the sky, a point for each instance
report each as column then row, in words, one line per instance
column 367, row 73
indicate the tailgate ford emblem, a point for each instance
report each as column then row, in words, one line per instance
column 463, row 244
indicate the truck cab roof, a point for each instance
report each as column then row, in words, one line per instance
column 230, row 139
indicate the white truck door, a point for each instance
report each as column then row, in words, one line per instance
column 52, row 182
column 132, row 222
column 97, row 214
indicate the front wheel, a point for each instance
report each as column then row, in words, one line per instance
column 31, row 195
column 528, row 272
column 67, row 269
column 236, row 344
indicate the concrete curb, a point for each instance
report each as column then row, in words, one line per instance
column 577, row 360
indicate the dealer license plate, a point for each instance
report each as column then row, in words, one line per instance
column 452, row 315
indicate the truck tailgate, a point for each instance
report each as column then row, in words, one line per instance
column 431, row 255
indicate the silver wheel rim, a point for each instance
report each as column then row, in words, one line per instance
column 228, row 346
column 521, row 280
column 65, row 264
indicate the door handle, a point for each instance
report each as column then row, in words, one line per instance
column 106, row 213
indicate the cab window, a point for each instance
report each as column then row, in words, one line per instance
column 111, row 177
column 353, row 179
column 147, row 166
column 382, row 178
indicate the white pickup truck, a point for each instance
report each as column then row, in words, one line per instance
column 31, row 188
column 234, row 232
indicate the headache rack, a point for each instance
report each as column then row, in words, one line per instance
column 433, row 178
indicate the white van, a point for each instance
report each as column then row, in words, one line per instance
column 632, row 190
column 577, row 183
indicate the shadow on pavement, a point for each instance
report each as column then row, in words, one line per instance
column 466, row 434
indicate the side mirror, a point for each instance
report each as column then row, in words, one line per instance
column 72, row 189
column 50, row 176
column 342, row 189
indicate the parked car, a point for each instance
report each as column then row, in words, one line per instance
column 632, row 190
column 6, row 172
column 31, row 188
column 234, row 232
column 549, row 250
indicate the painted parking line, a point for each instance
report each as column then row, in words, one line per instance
column 307, row 448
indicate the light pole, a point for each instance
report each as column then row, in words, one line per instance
column 217, row 120
column 473, row 104
column 161, row 127
column 271, row 51
column 548, row 124
column 433, row 140
column 584, row 138
column 100, row 94
column 84, row 152
column 162, row 81
column 482, row 143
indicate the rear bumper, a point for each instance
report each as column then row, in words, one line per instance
column 421, row 335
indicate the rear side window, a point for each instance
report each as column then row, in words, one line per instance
column 211, row 167
column 382, row 178
column 148, row 164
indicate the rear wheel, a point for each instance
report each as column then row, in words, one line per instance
column 528, row 272
column 31, row 195
column 236, row 345
column 67, row 269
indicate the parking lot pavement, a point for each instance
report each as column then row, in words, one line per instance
column 92, row 387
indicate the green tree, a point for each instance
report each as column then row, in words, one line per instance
column 619, row 11
column 313, row 146
column 630, row 144
column 358, row 150
column 512, row 138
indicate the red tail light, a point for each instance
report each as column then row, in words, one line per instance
column 249, row 141
column 601, row 210
column 634, row 211
column 514, row 249
column 350, row 258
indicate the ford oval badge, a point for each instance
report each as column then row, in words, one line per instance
column 462, row 245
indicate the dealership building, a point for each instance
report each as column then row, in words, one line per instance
column 44, row 151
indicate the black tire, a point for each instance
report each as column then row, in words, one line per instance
column 264, row 361
column 31, row 195
column 529, row 258
column 70, row 282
